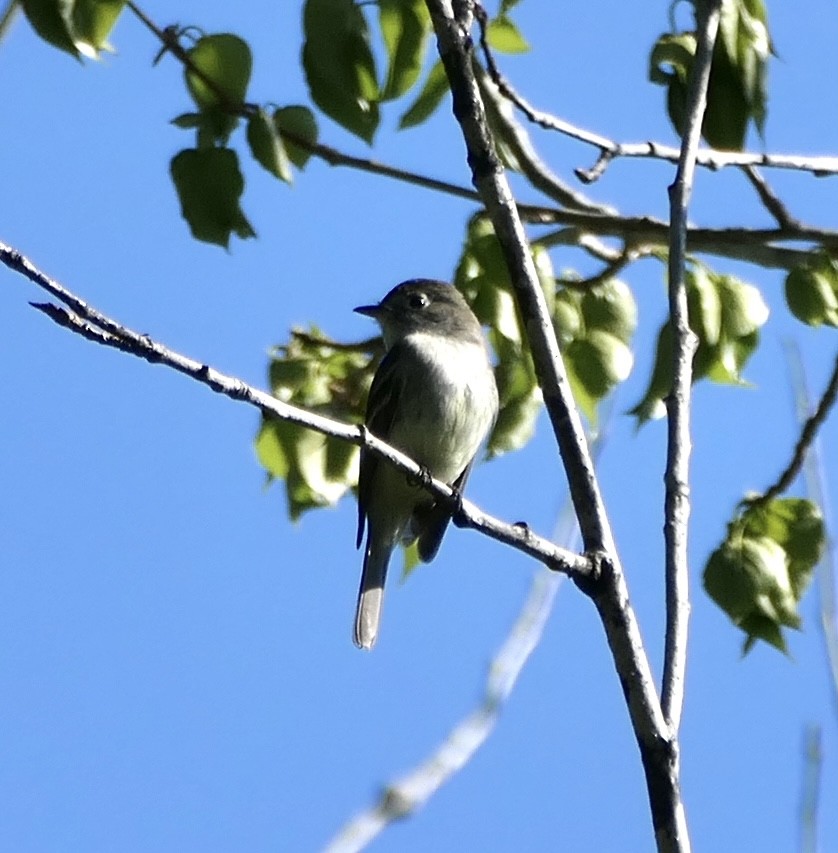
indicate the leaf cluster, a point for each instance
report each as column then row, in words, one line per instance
column 737, row 92
column 760, row 571
column 726, row 315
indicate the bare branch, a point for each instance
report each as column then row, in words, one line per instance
column 409, row 793
column 611, row 149
column 518, row 141
column 95, row 326
column 608, row 592
column 819, row 166
column 807, row 436
column 771, row 201
column 490, row 180
column 676, row 478
column 810, row 789
column 816, row 488
column 7, row 17
column 760, row 246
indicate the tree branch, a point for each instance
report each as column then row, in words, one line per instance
column 754, row 245
column 770, row 200
column 608, row 592
column 750, row 245
column 611, row 149
column 519, row 143
column 408, row 794
column 95, row 326
column 807, row 436
column 676, row 478
column 816, row 488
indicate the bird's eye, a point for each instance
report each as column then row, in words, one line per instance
column 418, row 300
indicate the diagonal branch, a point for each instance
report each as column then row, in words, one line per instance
column 807, row 435
column 770, row 200
column 538, row 173
column 676, row 478
column 610, row 149
column 609, row 593
column 408, row 794
column 816, row 487
column 91, row 324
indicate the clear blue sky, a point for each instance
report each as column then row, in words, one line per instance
column 176, row 668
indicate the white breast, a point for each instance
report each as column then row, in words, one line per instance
column 445, row 421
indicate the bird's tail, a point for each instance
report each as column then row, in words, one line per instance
column 371, row 595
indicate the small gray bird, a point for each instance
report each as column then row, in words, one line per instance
column 434, row 398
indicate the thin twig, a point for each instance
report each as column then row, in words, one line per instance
column 91, row 324
column 610, row 149
column 770, row 200
column 538, row 173
column 818, row 492
column 759, row 246
column 676, row 478
column 810, row 789
column 807, row 436
column 408, row 794
column 611, row 269
column 7, row 17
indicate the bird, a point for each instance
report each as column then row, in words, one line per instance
column 434, row 398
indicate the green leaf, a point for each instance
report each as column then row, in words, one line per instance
column 704, row 305
column 610, row 307
column 505, row 37
column 726, row 314
column 434, row 90
column 812, row 292
column 225, row 60
column 51, row 21
column 339, row 65
column 411, row 559
column 748, row 578
column 270, row 451
column 744, row 311
column 567, row 315
column 737, row 89
column 311, row 373
column 483, row 279
column 796, row 524
column 761, row 571
column 405, row 26
column 209, row 185
column 267, row 147
column 651, row 405
column 93, row 21
column 670, row 61
column 188, row 121
column 520, row 403
column 300, row 122
column 600, row 361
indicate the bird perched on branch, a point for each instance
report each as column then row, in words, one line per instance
column 434, row 398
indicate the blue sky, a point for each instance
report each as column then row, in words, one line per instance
column 175, row 656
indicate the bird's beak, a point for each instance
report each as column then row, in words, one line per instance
column 368, row 310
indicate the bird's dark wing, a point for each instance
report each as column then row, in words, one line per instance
column 382, row 404
column 431, row 521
